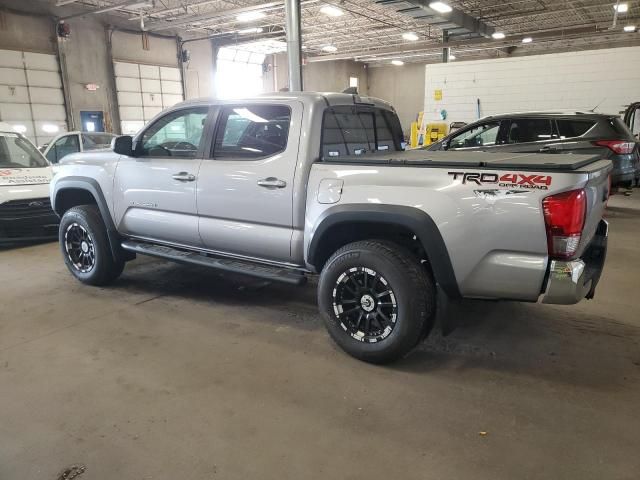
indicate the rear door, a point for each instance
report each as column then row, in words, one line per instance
column 245, row 187
column 155, row 190
column 632, row 119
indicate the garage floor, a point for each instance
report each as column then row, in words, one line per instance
column 178, row 372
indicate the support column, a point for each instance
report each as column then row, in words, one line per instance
column 446, row 50
column 294, row 44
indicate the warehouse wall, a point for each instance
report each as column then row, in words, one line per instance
column 27, row 32
column 574, row 80
column 402, row 86
column 198, row 73
column 129, row 47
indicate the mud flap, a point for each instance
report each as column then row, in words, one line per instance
column 446, row 320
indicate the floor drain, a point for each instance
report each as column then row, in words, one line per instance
column 72, row 471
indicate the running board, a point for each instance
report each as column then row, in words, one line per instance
column 267, row 272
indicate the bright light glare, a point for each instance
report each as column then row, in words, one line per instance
column 250, row 16
column 331, row 11
column 329, row 48
column 249, row 115
column 498, row 35
column 50, row 128
column 250, row 30
column 397, row 62
column 630, row 28
column 440, row 7
column 412, row 37
column 19, row 128
column 621, row 8
column 452, row 57
column 527, row 40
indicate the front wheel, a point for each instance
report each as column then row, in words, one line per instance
column 85, row 246
column 377, row 300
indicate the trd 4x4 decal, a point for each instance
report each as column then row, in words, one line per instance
column 509, row 180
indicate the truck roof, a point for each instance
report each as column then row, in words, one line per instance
column 328, row 98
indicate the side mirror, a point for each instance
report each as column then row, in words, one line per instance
column 123, row 145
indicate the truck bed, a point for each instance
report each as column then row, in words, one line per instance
column 494, row 160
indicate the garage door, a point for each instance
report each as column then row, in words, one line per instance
column 144, row 91
column 31, row 98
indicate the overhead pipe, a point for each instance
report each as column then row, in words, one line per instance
column 294, row 44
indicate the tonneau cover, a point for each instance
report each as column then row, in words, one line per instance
column 457, row 159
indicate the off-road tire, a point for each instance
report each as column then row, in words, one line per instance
column 76, row 223
column 413, row 293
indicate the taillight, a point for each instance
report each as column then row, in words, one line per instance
column 619, row 147
column 564, row 215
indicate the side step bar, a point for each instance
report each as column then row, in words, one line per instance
column 267, row 272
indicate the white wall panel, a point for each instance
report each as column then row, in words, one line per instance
column 174, row 88
column 12, row 76
column 125, row 84
column 48, row 112
column 169, row 73
column 150, row 71
column 51, row 96
column 130, row 99
column 152, row 100
column 15, row 111
column 131, row 113
column 11, row 58
column 560, row 81
column 40, row 78
column 151, row 86
column 171, row 100
column 41, row 61
column 14, row 94
column 150, row 112
column 123, row 69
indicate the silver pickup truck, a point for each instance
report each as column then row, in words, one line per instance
column 289, row 185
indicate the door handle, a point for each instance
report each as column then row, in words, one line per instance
column 184, row 177
column 272, row 182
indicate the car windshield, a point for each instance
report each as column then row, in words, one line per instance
column 18, row 152
column 93, row 141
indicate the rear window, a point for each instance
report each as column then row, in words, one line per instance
column 524, row 130
column 574, row 128
column 348, row 131
column 620, row 128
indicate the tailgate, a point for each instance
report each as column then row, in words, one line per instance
column 597, row 189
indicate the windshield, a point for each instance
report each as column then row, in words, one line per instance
column 18, row 152
column 92, row 141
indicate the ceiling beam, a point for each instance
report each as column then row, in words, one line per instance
column 108, row 8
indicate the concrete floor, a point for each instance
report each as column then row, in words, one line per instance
column 181, row 373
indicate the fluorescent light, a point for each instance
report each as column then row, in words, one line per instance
column 397, row 62
column 250, row 16
column 250, row 30
column 452, row 57
column 50, row 128
column 498, row 35
column 412, row 37
column 527, row 40
column 621, row 8
column 19, row 128
column 331, row 11
column 329, row 48
column 630, row 28
column 440, row 7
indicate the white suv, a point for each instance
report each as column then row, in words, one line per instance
column 25, row 209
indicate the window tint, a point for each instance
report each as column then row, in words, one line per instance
column 356, row 131
column 17, row 152
column 177, row 134
column 524, row 130
column 252, row 131
column 63, row 147
column 479, row 136
column 573, row 128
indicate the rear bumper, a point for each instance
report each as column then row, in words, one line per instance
column 570, row 281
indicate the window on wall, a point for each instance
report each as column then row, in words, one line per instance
column 238, row 73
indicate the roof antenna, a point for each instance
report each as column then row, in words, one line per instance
column 593, row 110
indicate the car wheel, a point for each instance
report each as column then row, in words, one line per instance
column 85, row 246
column 377, row 300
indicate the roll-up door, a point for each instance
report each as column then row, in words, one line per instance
column 144, row 91
column 31, row 97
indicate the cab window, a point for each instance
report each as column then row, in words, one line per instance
column 177, row 134
column 482, row 135
column 18, row 152
column 63, row 147
column 252, row 131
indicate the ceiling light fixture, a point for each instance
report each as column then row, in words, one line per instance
column 250, row 30
column 440, row 7
column 412, row 37
column 527, row 40
column 397, row 63
column 250, row 16
column 331, row 11
column 498, row 35
column 329, row 48
column 621, row 8
column 630, row 28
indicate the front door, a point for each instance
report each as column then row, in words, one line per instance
column 245, row 188
column 155, row 190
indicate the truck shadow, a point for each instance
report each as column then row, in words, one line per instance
column 554, row 343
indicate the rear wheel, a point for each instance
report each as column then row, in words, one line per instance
column 85, row 246
column 377, row 300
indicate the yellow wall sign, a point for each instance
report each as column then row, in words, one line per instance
column 437, row 95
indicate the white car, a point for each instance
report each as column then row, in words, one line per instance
column 74, row 142
column 25, row 209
